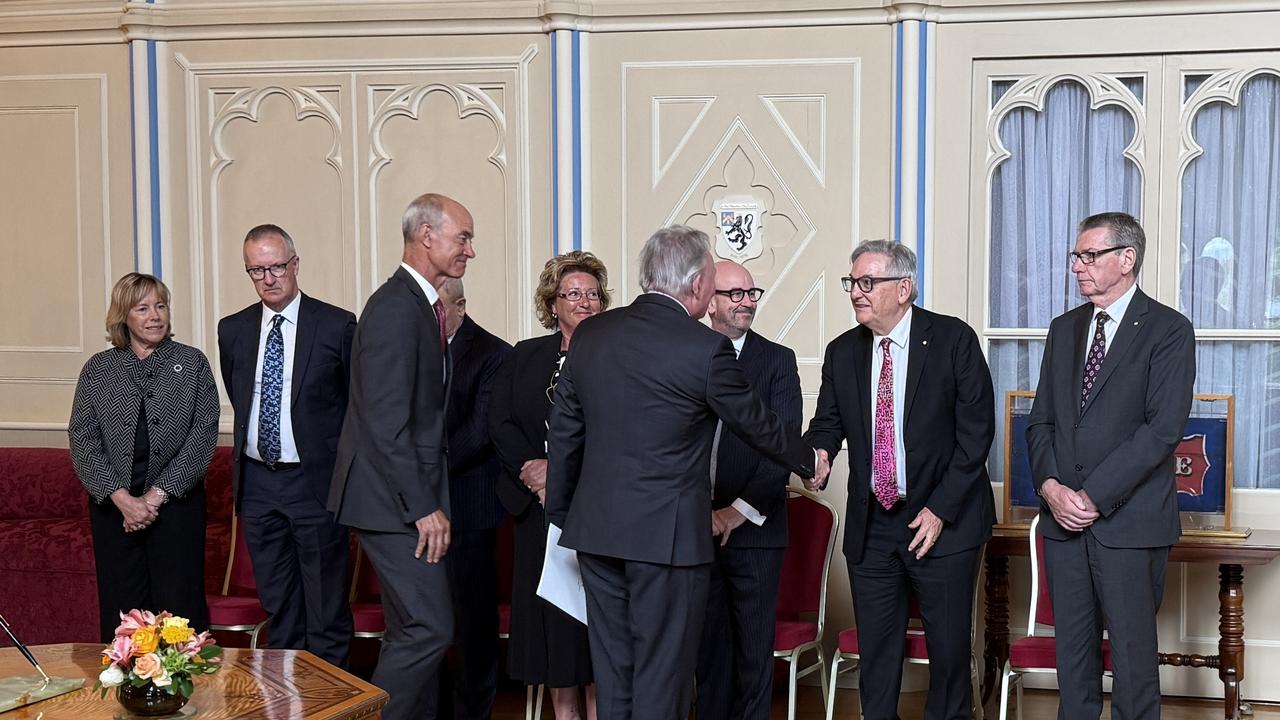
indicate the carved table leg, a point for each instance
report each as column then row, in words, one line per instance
column 1231, row 636
column 996, row 634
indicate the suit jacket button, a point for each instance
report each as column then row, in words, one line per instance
column 1075, row 426
column 1079, row 467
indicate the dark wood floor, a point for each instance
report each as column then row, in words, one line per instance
column 1041, row 705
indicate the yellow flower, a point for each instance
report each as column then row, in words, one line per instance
column 174, row 634
column 146, row 640
column 174, row 621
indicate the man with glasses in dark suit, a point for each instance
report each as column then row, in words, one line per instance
column 749, row 516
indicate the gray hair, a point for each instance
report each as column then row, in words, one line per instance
column 425, row 209
column 266, row 230
column 902, row 259
column 451, row 288
column 672, row 257
column 1124, row 232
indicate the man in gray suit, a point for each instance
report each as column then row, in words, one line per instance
column 1112, row 403
column 391, row 479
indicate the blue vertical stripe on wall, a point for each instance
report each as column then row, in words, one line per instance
column 577, row 140
column 897, row 135
column 153, row 113
column 555, row 152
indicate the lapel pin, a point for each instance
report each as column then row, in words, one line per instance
column 924, row 342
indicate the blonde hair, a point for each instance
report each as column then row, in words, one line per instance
column 544, row 298
column 128, row 292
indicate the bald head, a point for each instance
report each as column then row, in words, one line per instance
column 729, row 317
column 438, row 234
column 454, row 299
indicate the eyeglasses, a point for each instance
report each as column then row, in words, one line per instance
column 736, row 294
column 1087, row 257
column 866, row 283
column 574, row 296
column 278, row 271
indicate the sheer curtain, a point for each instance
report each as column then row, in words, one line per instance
column 1066, row 163
column 1229, row 253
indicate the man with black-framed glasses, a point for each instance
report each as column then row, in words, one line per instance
column 910, row 392
column 749, row 516
column 285, row 365
column 1111, row 406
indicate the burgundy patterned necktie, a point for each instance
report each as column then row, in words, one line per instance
column 1097, row 351
column 884, row 464
column 444, row 339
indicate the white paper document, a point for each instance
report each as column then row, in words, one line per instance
column 561, row 582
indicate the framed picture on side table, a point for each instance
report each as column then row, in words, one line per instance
column 1201, row 470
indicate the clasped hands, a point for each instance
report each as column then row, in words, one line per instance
column 1073, row 509
column 820, row 472
column 138, row 512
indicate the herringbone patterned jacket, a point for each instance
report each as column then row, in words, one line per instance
column 182, row 409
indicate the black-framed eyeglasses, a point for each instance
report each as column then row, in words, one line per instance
column 866, row 283
column 278, row 271
column 736, row 294
column 574, row 296
column 1087, row 257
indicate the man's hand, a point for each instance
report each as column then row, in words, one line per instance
column 928, row 527
column 534, row 474
column 542, row 496
column 1073, row 511
column 819, row 479
column 433, row 535
column 137, row 513
column 724, row 521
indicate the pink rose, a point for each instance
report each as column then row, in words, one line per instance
column 133, row 620
column 149, row 667
column 121, row 650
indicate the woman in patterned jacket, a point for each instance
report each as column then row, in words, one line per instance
column 142, row 431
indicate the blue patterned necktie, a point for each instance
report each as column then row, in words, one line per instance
column 1097, row 351
column 269, row 395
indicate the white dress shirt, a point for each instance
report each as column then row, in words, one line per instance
column 289, row 331
column 899, row 352
column 432, row 298
column 1115, row 313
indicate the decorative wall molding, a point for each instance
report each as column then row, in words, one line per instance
column 69, row 22
column 1223, row 86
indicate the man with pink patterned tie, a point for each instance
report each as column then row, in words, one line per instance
column 910, row 391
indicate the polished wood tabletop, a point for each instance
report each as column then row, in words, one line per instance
column 252, row 684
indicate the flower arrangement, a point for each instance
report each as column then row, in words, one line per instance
column 159, row 649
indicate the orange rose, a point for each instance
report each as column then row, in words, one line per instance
column 146, row 639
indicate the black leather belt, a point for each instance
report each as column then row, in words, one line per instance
column 275, row 467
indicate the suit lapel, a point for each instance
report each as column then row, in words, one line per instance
column 1130, row 326
column 247, row 357
column 303, row 338
column 917, row 348
column 461, row 341
column 862, row 376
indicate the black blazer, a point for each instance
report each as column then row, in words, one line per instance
column 392, row 463
column 1119, row 449
column 518, row 415
column 948, row 425
column 318, row 394
column 631, row 429
column 744, row 473
column 473, row 468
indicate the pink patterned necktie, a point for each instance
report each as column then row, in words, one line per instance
column 1097, row 351
column 884, row 465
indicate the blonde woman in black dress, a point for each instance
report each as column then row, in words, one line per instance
column 547, row 646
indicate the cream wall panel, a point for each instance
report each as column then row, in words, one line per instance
column 332, row 139
column 798, row 118
column 65, row 201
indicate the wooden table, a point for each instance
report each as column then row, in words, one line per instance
column 1260, row 548
column 252, row 683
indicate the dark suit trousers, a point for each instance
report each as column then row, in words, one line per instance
column 882, row 584
column 472, row 677
column 735, row 661
column 419, row 614
column 300, row 558
column 1094, row 586
column 644, row 624
column 158, row 568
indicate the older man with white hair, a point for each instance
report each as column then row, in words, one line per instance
column 629, row 452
